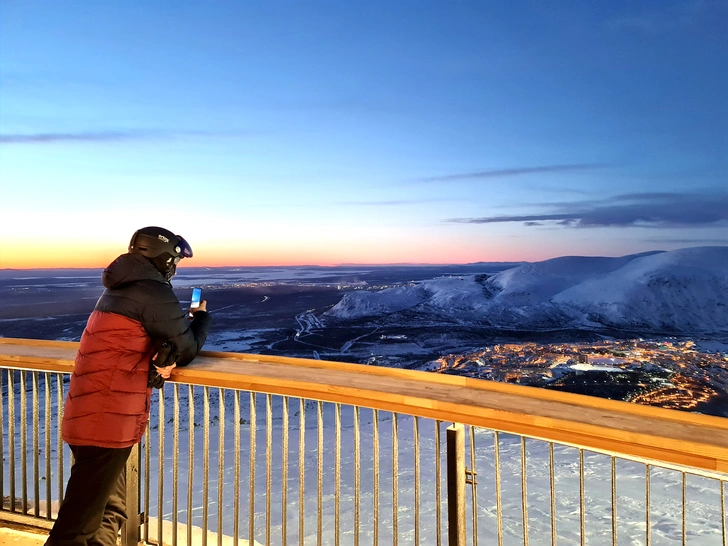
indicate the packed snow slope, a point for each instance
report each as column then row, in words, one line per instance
column 680, row 291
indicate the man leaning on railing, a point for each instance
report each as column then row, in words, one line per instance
column 137, row 322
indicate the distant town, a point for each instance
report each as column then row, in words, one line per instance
column 669, row 374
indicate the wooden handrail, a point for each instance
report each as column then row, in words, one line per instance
column 669, row 436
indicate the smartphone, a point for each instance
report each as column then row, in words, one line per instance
column 196, row 297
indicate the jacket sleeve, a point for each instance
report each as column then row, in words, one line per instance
column 164, row 318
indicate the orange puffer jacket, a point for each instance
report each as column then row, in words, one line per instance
column 108, row 398
column 108, row 402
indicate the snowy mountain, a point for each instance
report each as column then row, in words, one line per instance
column 680, row 291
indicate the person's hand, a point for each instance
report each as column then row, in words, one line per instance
column 166, row 371
column 201, row 307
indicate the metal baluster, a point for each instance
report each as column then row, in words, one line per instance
column 474, row 485
column 2, row 445
column 11, row 435
column 582, row 514
column 357, row 475
column 375, row 443
column 220, row 463
column 722, row 513
column 438, row 481
column 524, row 491
column 175, row 462
column 160, row 476
column 284, row 476
column 47, row 443
column 236, row 493
column 301, row 466
column 59, row 436
column 498, row 500
column 552, row 489
column 614, row 502
column 337, row 476
column 319, row 491
column 416, row 433
column 268, row 463
column 147, row 477
column 205, row 463
column 684, row 505
column 191, row 457
column 395, row 481
column 648, row 531
column 24, row 440
column 253, row 429
column 36, row 445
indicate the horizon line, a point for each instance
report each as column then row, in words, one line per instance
column 347, row 264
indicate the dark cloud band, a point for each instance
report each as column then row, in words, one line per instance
column 657, row 210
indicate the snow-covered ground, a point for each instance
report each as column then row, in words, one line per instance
column 704, row 514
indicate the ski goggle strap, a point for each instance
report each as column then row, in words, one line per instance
column 183, row 248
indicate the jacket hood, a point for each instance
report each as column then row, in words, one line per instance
column 129, row 268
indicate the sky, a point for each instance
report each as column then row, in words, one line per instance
column 322, row 133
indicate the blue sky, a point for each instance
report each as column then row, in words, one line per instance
column 340, row 132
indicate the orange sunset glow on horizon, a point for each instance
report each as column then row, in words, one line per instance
column 55, row 254
column 99, row 257
column 74, row 247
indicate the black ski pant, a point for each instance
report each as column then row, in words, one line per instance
column 94, row 506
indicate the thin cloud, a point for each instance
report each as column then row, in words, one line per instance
column 656, row 210
column 670, row 16
column 520, row 171
column 100, row 136
column 720, row 242
column 387, row 203
column 50, row 138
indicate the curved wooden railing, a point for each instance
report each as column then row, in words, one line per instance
column 667, row 436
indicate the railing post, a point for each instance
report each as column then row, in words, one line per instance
column 130, row 531
column 456, row 529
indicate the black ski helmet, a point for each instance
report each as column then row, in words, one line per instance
column 162, row 247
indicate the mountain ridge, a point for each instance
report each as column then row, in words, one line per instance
column 680, row 291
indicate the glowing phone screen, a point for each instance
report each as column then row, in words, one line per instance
column 196, row 295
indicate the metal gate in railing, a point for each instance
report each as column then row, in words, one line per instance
column 223, row 466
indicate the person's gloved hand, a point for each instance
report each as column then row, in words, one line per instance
column 163, row 362
column 156, row 381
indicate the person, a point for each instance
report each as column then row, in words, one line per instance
column 107, row 406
